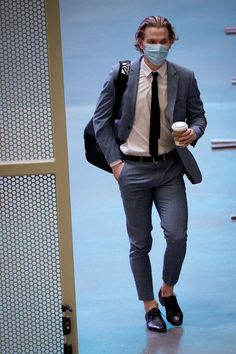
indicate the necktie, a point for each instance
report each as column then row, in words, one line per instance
column 154, row 134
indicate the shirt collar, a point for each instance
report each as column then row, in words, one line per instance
column 147, row 71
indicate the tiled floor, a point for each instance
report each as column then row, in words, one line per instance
column 110, row 319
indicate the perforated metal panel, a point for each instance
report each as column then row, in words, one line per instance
column 30, row 284
column 25, row 107
column 33, row 282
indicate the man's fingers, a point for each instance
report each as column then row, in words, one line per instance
column 187, row 137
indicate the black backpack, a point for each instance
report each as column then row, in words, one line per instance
column 93, row 152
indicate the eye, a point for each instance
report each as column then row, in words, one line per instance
column 164, row 41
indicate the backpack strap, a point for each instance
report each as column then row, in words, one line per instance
column 124, row 68
column 121, row 83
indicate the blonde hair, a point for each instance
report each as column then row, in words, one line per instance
column 154, row 21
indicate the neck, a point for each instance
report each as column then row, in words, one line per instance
column 152, row 66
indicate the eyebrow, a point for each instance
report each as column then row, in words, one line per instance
column 163, row 40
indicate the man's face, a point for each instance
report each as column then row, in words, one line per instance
column 153, row 35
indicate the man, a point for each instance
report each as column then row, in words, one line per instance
column 146, row 163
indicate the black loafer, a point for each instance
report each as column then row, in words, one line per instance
column 174, row 315
column 155, row 321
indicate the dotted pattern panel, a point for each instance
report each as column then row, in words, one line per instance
column 25, row 106
column 30, row 284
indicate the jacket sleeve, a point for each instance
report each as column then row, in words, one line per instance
column 195, row 112
column 102, row 119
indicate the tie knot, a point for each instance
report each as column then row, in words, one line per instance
column 155, row 74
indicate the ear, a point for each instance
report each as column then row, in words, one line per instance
column 171, row 42
column 140, row 44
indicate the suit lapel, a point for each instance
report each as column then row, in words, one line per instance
column 132, row 87
column 172, row 87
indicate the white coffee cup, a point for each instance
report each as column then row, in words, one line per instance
column 178, row 128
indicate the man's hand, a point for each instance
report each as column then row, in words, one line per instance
column 187, row 138
column 116, row 170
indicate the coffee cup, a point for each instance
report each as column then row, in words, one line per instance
column 178, row 128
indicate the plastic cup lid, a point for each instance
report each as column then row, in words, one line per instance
column 179, row 126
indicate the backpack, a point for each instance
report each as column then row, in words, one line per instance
column 93, row 153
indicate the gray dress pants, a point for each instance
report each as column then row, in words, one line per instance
column 141, row 185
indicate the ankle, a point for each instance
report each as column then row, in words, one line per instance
column 149, row 305
column 167, row 290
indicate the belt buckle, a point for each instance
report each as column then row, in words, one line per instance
column 155, row 161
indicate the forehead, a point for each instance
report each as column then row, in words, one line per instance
column 157, row 33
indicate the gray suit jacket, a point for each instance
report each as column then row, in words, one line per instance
column 184, row 104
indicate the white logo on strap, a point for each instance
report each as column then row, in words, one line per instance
column 125, row 69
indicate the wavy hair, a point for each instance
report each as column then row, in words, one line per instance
column 154, row 21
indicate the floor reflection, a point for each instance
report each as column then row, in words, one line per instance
column 163, row 343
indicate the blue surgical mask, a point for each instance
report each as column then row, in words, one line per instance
column 156, row 53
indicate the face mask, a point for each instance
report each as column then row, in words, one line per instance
column 156, row 53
